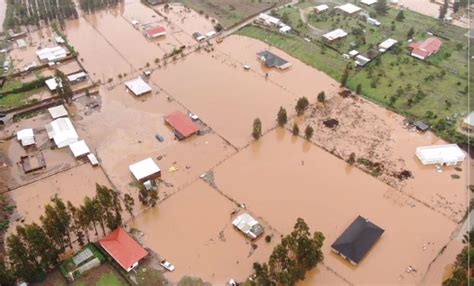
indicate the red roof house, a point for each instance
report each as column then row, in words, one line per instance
column 426, row 48
column 182, row 125
column 155, row 32
column 123, row 249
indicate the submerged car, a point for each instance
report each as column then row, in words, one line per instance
column 167, row 265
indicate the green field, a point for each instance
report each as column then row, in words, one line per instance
column 434, row 90
column 107, row 279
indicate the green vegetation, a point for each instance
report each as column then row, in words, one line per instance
column 68, row 265
column 282, row 117
column 148, row 198
column 295, row 130
column 296, row 254
column 462, row 274
column 14, row 93
column 434, row 90
column 301, row 105
column 308, row 132
column 192, row 281
column 230, row 12
column 150, row 277
column 90, row 6
column 257, row 128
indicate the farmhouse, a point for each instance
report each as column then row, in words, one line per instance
column 468, row 122
column 426, row 48
column 145, row 170
column 26, row 137
column 138, row 86
column 52, row 54
column 58, row 111
column 357, row 240
column 349, row 8
column 62, row 132
column 386, row 45
column 321, row 8
column 449, row 154
column 248, row 225
column 181, row 124
column 271, row 60
column 361, row 60
column 79, row 149
column 155, row 32
column 268, row 20
column 334, row 35
column 368, row 2
column 123, row 249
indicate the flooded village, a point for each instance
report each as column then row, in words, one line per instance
column 178, row 143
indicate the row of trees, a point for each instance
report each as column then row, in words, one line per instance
column 33, row 12
column 35, row 248
column 90, row 6
column 297, row 253
column 63, row 86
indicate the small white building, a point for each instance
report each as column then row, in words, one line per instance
column 387, row 44
column 336, row 34
column 26, row 137
column 373, row 22
column 93, row 159
column 145, row 170
column 62, row 132
column 58, row 111
column 77, row 77
column 52, row 54
column 51, row 83
column 284, row 28
column 138, row 86
column 248, row 225
column 449, row 154
column 368, row 2
column 211, row 34
column 59, row 40
column 268, row 20
column 349, row 8
column 79, row 149
column 361, row 61
column 353, row 53
column 321, row 8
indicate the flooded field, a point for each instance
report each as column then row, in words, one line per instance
column 282, row 172
column 200, row 241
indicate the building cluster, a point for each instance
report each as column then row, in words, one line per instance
column 272, row 22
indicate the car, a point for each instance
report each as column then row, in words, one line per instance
column 167, row 265
column 193, row 116
column 159, row 137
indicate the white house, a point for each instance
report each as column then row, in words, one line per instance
column 52, row 54
column 387, row 44
column 62, row 132
column 336, row 34
column 79, row 149
column 248, row 225
column 321, row 8
column 449, row 154
column 145, row 170
column 138, row 86
column 58, row 111
column 349, row 8
column 26, row 137
column 268, row 20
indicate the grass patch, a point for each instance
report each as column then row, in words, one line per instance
column 18, row 99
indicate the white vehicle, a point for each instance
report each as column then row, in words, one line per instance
column 193, row 116
column 167, row 265
column 246, row 67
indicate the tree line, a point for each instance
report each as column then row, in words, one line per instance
column 90, row 6
column 35, row 248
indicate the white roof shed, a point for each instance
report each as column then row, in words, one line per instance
column 321, row 8
column 387, row 44
column 349, row 8
column 336, row 34
column 449, row 154
column 58, row 111
column 143, row 169
column 52, row 54
column 26, row 137
column 469, row 120
column 79, row 149
column 368, row 2
column 248, row 225
column 62, row 132
column 138, row 86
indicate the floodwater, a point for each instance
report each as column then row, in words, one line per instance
column 282, row 178
column 200, row 240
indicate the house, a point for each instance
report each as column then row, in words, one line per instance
column 349, row 8
column 123, row 249
column 447, row 155
column 199, row 37
column 386, row 45
column 368, row 2
column 138, row 86
column 468, row 122
column 373, row 22
column 51, row 83
column 21, row 43
column 271, row 60
column 357, row 240
column 321, row 8
column 58, row 111
column 353, row 53
column 426, row 48
column 59, row 40
column 62, row 132
column 284, row 28
column 248, row 225
column 93, row 159
column 52, row 54
column 421, row 126
column 79, row 149
column 77, row 77
column 334, row 35
column 32, row 162
column 211, row 34
column 145, row 170
column 361, row 60
column 155, row 32
column 181, row 124
column 268, row 20
column 26, row 137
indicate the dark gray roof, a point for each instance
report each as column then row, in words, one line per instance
column 357, row 239
column 271, row 60
column 421, row 125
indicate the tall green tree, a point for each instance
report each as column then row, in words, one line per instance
column 443, row 10
column 381, row 7
column 63, row 86
column 410, row 33
column 128, row 202
column 22, row 264
column 76, row 226
column 301, row 105
column 321, row 97
column 257, row 128
column 296, row 129
column 282, row 117
column 56, row 222
column 400, row 16
column 40, row 247
column 308, row 132
column 345, row 76
column 7, row 276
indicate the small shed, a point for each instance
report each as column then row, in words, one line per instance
column 421, row 126
column 58, row 111
column 368, row 2
column 387, row 44
column 361, row 60
column 349, row 8
column 353, row 53
column 357, row 240
column 335, row 34
column 248, row 225
column 77, row 77
column 155, row 32
column 448, row 155
column 468, row 122
column 284, row 29
column 51, row 83
column 321, row 8
column 26, row 137
column 145, row 170
column 271, row 60
column 138, row 86
column 182, row 125
column 93, row 159
column 79, row 149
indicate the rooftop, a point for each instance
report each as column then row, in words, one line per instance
column 349, row 8
column 335, row 34
column 155, row 31
column 272, row 60
column 321, row 8
column 356, row 241
column 387, row 44
column 368, row 2
column 62, row 132
column 26, row 137
column 248, row 225
column 138, row 86
column 448, row 154
column 469, row 120
column 58, row 111
column 79, row 148
column 144, row 169
column 182, row 124
column 426, row 48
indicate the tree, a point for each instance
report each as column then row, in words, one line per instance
column 257, row 128
column 6, row 275
column 400, row 16
column 301, row 105
column 296, row 129
column 148, row 197
column 308, row 132
column 282, row 117
column 345, row 76
column 381, row 7
column 56, row 223
column 410, row 33
column 443, row 10
column 128, row 202
column 296, row 254
column 461, row 274
column 63, row 86
column 321, row 97
column 351, row 159
column 359, row 89
column 21, row 262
